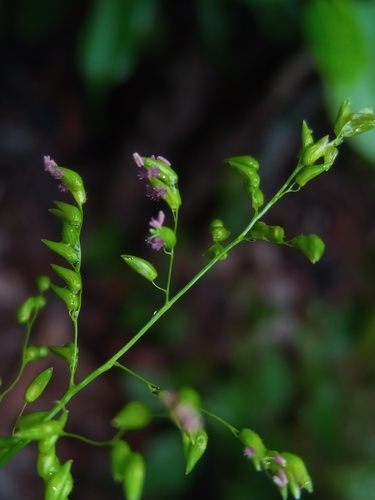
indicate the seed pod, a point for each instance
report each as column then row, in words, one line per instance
column 43, row 283
column 141, row 266
column 314, row 152
column 37, row 386
column 40, row 431
column 242, row 161
column 60, row 484
column 32, row 304
column 47, row 465
column 71, row 299
column 297, row 474
column 66, row 251
column 70, row 235
column 251, row 440
column 73, row 279
column 133, row 476
column 214, row 251
column 172, row 196
column 75, row 184
column 218, row 231
column 311, row 246
column 196, row 449
column 166, row 173
column 257, row 198
column 47, row 446
column 134, row 415
column 308, row 173
column 31, row 419
column 64, row 351
column 167, row 235
column 119, row 451
column 68, row 213
column 261, row 231
column 33, row 352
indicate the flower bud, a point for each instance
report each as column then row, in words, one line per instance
column 257, row 198
column 60, row 484
column 43, row 283
column 196, row 449
column 167, row 235
column 297, row 474
column 33, row 352
column 172, row 194
column 242, row 161
column 315, row 151
column 37, row 386
column 133, row 476
column 359, row 123
column 119, row 451
column 343, row 117
column 31, row 305
column 68, row 213
column 308, row 173
column 66, row 251
column 218, row 231
column 307, row 138
column 71, row 299
column 311, row 246
column 166, row 173
column 64, row 351
column 251, row 440
column 73, row 279
column 261, row 231
column 141, row 266
column 40, row 431
column 214, row 251
column 134, row 415
column 75, row 184
column 70, row 236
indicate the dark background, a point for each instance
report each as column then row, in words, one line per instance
column 269, row 340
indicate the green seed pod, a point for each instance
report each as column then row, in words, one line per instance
column 73, row 279
column 141, row 266
column 315, row 151
column 251, row 440
column 31, row 419
column 47, row 446
column 257, row 198
column 167, row 235
column 43, row 283
column 167, row 174
column 40, row 431
column 214, row 251
column 311, row 246
column 31, row 305
column 37, row 386
column 119, row 451
column 297, row 474
column 330, row 155
column 307, row 138
column 66, row 251
column 75, row 184
column 47, row 465
column 68, row 213
column 33, row 352
column 133, row 476
column 196, row 449
column 242, row 161
column 218, row 231
column 60, row 484
column 71, row 299
column 134, row 415
column 64, row 351
column 343, row 117
column 261, row 231
column 172, row 197
column 359, row 123
column 70, row 235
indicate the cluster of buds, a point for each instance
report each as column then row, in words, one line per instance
column 219, row 233
column 288, row 471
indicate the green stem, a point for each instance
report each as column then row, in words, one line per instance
column 168, row 288
column 87, row 440
column 235, row 431
column 149, row 384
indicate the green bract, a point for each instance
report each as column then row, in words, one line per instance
column 75, row 184
column 68, row 213
column 133, row 476
column 196, row 448
column 343, row 117
column 242, row 161
column 64, row 351
column 141, row 266
column 37, row 386
column 251, row 440
column 297, row 474
column 166, row 174
column 133, row 416
column 312, row 153
column 73, row 279
column 218, row 231
column 307, row 137
column 308, row 173
column 32, row 304
column 70, row 298
column 66, row 251
column 261, row 231
column 119, row 451
column 172, row 195
column 214, row 251
column 60, row 484
column 40, row 431
column 311, row 245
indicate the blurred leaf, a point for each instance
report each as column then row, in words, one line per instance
column 10, row 446
column 341, row 37
column 112, row 39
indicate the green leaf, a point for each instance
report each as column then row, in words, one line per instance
column 10, row 446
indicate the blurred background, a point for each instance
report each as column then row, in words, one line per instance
column 269, row 340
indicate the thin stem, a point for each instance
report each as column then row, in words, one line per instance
column 235, row 431
column 149, row 384
column 168, row 288
column 87, row 440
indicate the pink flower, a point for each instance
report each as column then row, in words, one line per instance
column 161, row 158
column 157, row 223
column 279, row 460
column 155, row 242
column 280, row 479
column 138, row 160
column 249, row 452
column 51, row 167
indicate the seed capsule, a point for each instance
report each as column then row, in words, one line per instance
column 37, row 386
column 33, row 352
column 166, row 173
column 119, row 451
column 66, row 251
column 40, row 431
column 64, row 351
column 32, row 304
column 134, row 415
column 311, row 246
column 71, row 299
column 134, row 476
column 141, row 266
column 68, row 213
column 308, row 173
column 315, row 151
column 196, row 449
column 73, row 279
column 242, row 161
